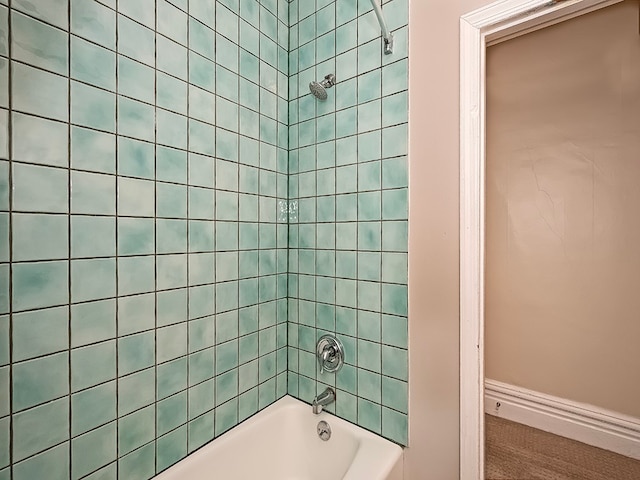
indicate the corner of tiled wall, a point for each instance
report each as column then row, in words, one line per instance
column 148, row 293
column 143, row 275
column 348, row 172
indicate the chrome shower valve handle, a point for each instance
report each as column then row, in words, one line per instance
column 330, row 353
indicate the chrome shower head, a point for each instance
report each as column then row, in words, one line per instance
column 318, row 89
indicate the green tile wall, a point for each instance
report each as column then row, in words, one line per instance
column 150, row 296
column 143, row 274
column 348, row 173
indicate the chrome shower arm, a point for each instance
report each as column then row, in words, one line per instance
column 387, row 36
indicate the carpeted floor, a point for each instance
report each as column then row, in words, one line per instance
column 517, row 452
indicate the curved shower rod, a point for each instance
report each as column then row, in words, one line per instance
column 387, row 36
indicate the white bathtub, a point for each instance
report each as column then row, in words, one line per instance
column 281, row 442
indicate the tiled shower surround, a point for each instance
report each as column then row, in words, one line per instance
column 148, row 291
column 348, row 172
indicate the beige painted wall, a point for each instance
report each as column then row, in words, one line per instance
column 563, row 210
column 433, row 452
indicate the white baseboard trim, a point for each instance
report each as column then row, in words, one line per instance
column 588, row 424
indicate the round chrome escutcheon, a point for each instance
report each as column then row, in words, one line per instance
column 324, row 430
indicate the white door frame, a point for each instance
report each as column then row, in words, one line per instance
column 494, row 23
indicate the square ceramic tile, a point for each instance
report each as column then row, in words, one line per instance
column 136, row 41
column 40, row 237
column 53, row 421
column 40, row 189
column 136, row 429
column 93, row 107
column 201, row 398
column 171, row 271
column 171, row 200
column 40, row 332
column 4, row 185
column 171, row 22
column 201, row 236
column 93, row 236
column 201, row 366
column 135, row 79
column 4, row 340
column 171, row 236
column 136, row 313
column 135, row 158
column 171, row 129
column 92, row 365
column 139, row 463
column 92, row 322
column 93, row 150
column 201, row 138
column 135, row 352
column 93, row 64
column 37, row 140
column 203, row 11
column 171, row 165
column 136, row 119
column 93, row 193
column 172, row 377
column 136, row 236
column 171, row 93
column 136, row 391
column 135, row 197
column 142, row 11
column 202, row 73
column 93, row 279
column 171, row 342
column 395, row 426
column 40, row 380
column 39, row 44
column 171, row 412
column 53, row 12
column 40, row 284
column 94, row 21
column 394, row 394
column 171, row 448
column 172, row 58
column 93, row 450
column 53, row 463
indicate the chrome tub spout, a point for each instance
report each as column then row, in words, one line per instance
column 324, row 399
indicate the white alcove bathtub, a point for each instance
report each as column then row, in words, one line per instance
column 281, row 442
